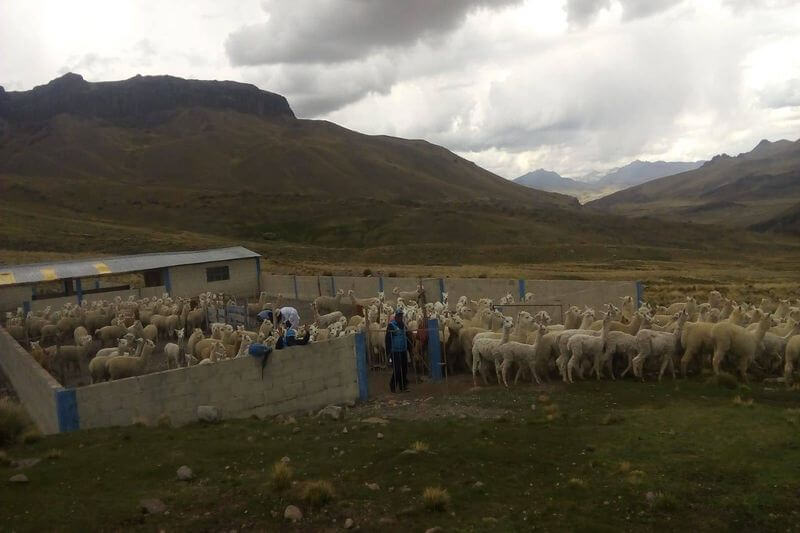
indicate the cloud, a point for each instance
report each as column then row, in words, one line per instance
column 326, row 31
column 784, row 94
column 583, row 12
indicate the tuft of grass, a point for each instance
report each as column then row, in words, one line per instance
column 611, row 418
column 4, row 459
column 281, row 476
column 435, row 499
column 14, row 421
column 577, row 483
column 738, row 401
column 625, row 467
column 666, row 503
column 318, row 493
column 53, row 453
column 543, row 398
column 635, row 477
column 419, row 446
column 163, row 421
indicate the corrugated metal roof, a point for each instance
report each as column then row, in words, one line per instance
column 33, row 273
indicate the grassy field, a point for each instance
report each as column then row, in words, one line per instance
column 607, row 456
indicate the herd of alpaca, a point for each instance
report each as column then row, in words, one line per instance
column 117, row 339
column 719, row 333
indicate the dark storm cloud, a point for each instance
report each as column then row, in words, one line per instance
column 327, row 31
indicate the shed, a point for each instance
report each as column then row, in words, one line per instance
column 235, row 270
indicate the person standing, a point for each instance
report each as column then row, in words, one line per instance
column 398, row 340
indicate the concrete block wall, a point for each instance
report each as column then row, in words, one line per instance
column 553, row 296
column 37, row 390
column 295, row 379
column 12, row 297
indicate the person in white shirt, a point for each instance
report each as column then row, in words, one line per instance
column 287, row 313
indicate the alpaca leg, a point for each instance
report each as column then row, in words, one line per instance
column 597, row 366
column 672, row 367
column 628, row 368
column 535, row 375
column 688, row 355
column 664, row 363
column 743, row 368
column 504, row 367
column 570, row 367
column 610, row 364
column 719, row 354
column 474, row 371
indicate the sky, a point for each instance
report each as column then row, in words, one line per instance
column 514, row 85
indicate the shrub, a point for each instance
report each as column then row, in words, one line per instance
column 281, row 477
column 577, row 483
column 318, row 493
column 13, row 421
column 367, row 272
column 435, row 499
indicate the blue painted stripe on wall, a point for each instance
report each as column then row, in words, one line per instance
column 522, row 291
column 361, row 366
column 67, row 410
column 434, row 350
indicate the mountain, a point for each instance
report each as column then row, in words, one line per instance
column 637, row 172
column 759, row 188
column 596, row 185
column 159, row 163
column 547, row 180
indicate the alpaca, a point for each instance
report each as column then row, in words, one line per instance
column 484, row 350
column 658, row 344
column 587, row 345
column 737, row 341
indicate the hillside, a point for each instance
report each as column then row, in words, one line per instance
column 161, row 163
column 749, row 190
column 597, row 185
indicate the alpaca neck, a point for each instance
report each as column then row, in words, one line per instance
column 506, row 334
column 587, row 322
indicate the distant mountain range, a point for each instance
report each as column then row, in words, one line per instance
column 759, row 189
column 595, row 185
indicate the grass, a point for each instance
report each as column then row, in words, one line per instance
column 708, row 463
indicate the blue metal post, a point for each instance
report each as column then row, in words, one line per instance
column 361, row 366
column 26, row 307
column 67, row 410
column 296, row 294
column 167, row 281
column 380, row 284
column 639, row 294
column 434, row 350
column 441, row 288
column 333, row 286
column 258, row 274
column 522, row 290
column 79, row 290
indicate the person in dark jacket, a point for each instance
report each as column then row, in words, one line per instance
column 398, row 341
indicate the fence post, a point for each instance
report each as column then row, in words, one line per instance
column 167, row 281
column 522, row 291
column 362, row 369
column 380, row 284
column 639, row 294
column 294, row 278
column 441, row 289
column 434, row 350
column 67, row 410
column 79, row 290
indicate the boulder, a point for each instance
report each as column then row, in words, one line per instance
column 185, row 473
column 292, row 513
column 208, row 413
column 331, row 411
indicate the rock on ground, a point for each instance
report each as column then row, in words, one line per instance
column 373, row 486
column 292, row 513
column 208, row 413
column 348, row 523
column 375, row 420
column 185, row 473
column 331, row 411
column 152, row 506
column 19, row 478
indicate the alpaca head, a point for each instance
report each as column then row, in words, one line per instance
column 381, row 296
column 508, row 323
column 180, row 333
column 35, row 345
column 444, row 298
column 542, row 329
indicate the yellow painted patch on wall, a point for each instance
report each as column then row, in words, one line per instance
column 102, row 268
column 7, row 278
column 48, row 274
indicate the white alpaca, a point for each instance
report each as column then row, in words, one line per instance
column 483, row 350
column 660, row 346
column 591, row 347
